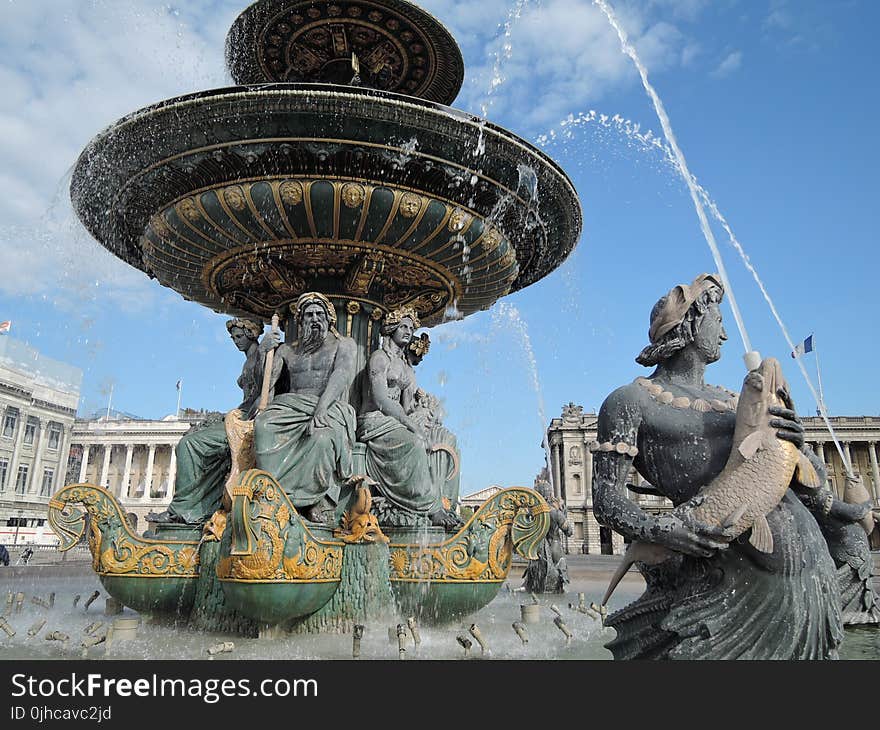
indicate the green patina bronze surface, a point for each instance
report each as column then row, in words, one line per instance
column 273, row 567
column 364, row 593
column 450, row 577
column 146, row 574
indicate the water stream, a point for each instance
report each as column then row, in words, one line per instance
column 699, row 197
column 630, row 51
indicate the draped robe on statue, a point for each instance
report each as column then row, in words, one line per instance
column 308, row 467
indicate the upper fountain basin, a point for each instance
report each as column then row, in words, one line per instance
column 396, row 45
column 242, row 198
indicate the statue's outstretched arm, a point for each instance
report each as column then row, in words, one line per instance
column 821, row 501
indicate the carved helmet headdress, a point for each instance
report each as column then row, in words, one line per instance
column 681, row 306
column 253, row 328
column 313, row 297
column 395, row 317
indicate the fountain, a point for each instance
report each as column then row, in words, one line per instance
column 335, row 183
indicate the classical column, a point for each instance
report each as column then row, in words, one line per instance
column 148, row 480
column 875, row 472
column 556, row 466
column 820, row 451
column 105, row 466
column 591, row 533
column 126, row 475
column 64, row 458
column 16, row 449
column 84, row 467
column 849, row 460
column 37, row 481
column 588, row 475
column 172, row 472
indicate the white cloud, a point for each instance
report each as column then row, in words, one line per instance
column 730, row 64
column 69, row 68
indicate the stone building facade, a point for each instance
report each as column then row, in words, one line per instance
column 858, row 437
column 132, row 458
column 571, row 470
column 38, row 402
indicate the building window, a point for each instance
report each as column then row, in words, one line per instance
column 21, row 480
column 4, row 467
column 30, row 430
column 54, row 436
column 9, row 421
column 577, row 484
column 46, row 488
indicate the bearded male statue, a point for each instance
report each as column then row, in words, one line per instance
column 304, row 438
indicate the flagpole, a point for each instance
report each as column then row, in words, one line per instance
column 179, row 392
column 109, row 401
column 819, row 375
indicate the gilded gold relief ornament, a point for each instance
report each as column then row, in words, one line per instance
column 491, row 239
column 410, row 205
column 234, row 197
column 291, row 192
column 269, row 541
column 353, row 194
column 459, row 220
column 115, row 549
column 514, row 519
column 359, row 524
column 188, row 209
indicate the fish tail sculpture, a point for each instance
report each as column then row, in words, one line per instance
column 754, row 479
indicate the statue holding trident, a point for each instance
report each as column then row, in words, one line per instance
column 766, row 595
column 305, row 436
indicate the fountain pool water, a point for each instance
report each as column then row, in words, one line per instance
column 167, row 641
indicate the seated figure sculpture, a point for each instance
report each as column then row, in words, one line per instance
column 304, row 438
column 203, row 456
column 714, row 599
column 444, row 458
column 396, row 454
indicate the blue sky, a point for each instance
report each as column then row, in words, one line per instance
column 774, row 104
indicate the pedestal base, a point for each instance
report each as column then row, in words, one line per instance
column 364, row 594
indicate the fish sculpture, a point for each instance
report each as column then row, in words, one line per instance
column 854, row 492
column 754, row 479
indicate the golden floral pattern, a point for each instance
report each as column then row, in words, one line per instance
column 284, row 550
column 115, row 549
column 514, row 519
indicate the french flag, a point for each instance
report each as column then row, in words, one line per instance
column 5, row 327
column 803, row 348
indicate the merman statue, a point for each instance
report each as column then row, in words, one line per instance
column 549, row 572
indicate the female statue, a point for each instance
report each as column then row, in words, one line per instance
column 444, row 458
column 397, row 456
column 203, row 457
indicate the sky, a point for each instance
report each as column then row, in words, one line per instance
column 773, row 104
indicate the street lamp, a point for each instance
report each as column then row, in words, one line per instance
column 19, row 512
